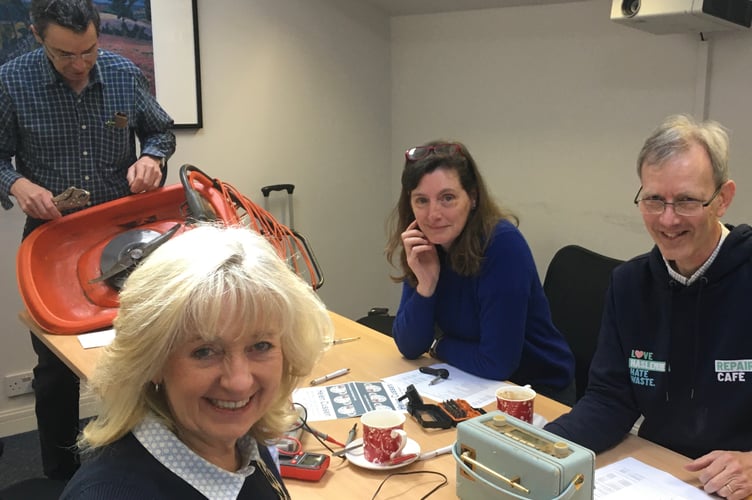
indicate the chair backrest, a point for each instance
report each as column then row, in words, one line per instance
column 378, row 319
column 575, row 285
column 37, row 488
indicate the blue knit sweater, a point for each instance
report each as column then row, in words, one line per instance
column 497, row 325
column 679, row 355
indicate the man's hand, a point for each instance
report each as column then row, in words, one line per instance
column 726, row 473
column 145, row 174
column 34, row 200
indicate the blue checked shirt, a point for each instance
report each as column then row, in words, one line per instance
column 60, row 139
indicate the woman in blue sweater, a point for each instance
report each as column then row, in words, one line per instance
column 471, row 293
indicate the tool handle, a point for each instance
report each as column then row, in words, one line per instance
column 437, row 372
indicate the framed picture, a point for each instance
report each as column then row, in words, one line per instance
column 160, row 37
column 177, row 71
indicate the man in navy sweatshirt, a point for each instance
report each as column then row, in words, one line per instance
column 675, row 343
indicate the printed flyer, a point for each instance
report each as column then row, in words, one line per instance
column 350, row 399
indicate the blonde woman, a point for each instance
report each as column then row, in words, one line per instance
column 213, row 334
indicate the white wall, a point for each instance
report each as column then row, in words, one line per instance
column 294, row 91
column 554, row 103
column 298, row 92
column 730, row 103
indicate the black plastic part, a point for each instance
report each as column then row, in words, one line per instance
column 199, row 208
column 428, row 416
column 277, row 187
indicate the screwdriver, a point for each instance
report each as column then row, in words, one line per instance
column 438, row 373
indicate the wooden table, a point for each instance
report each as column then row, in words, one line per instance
column 372, row 357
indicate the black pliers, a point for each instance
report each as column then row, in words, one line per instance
column 438, row 373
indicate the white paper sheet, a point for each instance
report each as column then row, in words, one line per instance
column 629, row 478
column 96, row 339
column 477, row 391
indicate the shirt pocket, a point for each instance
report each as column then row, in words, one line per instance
column 116, row 149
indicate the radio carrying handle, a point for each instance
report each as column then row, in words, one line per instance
column 463, row 459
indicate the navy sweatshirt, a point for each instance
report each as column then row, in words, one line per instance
column 679, row 355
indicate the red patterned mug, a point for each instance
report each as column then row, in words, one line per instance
column 516, row 401
column 383, row 435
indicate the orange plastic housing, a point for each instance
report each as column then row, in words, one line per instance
column 57, row 260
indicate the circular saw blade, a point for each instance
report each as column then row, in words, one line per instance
column 119, row 248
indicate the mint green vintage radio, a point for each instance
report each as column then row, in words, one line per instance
column 499, row 456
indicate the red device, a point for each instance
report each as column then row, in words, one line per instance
column 62, row 265
column 305, row 466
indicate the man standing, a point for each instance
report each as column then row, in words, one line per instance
column 69, row 115
column 674, row 344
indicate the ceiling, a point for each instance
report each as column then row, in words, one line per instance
column 403, row 7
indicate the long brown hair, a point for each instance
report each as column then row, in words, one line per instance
column 466, row 253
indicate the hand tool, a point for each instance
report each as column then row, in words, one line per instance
column 72, row 197
column 438, row 373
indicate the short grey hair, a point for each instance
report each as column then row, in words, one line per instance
column 677, row 133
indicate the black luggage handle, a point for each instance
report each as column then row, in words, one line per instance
column 277, row 187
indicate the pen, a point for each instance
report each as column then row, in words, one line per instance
column 351, row 434
column 435, row 453
column 329, row 376
column 344, row 341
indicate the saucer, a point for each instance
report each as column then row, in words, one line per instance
column 356, row 456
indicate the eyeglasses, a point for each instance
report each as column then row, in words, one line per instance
column 88, row 56
column 420, row 152
column 689, row 208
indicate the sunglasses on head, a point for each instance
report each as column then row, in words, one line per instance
column 420, row 152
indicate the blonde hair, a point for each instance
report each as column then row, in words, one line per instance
column 190, row 285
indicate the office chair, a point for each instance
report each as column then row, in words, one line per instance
column 38, row 488
column 378, row 319
column 575, row 285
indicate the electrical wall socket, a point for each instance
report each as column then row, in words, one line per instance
column 18, row 383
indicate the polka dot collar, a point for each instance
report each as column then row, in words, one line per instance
column 212, row 481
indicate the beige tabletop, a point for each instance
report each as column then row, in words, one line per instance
column 372, row 357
